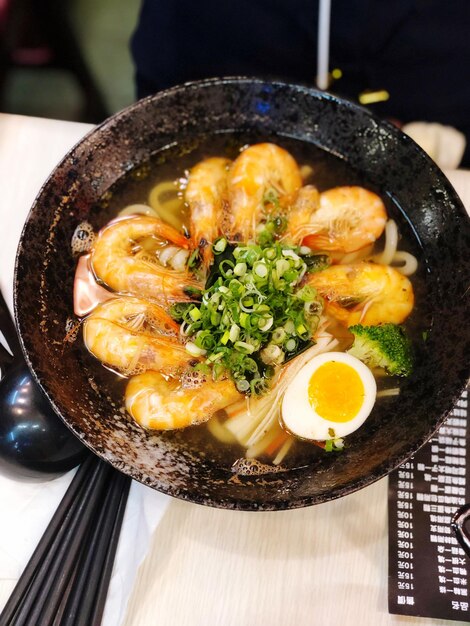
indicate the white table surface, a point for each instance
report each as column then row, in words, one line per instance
column 324, row 565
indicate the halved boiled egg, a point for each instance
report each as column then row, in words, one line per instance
column 330, row 397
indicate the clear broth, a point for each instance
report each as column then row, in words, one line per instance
column 328, row 171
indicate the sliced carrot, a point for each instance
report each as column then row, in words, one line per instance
column 276, row 443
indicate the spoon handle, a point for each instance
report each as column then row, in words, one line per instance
column 7, row 328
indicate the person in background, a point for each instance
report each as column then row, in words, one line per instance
column 407, row 60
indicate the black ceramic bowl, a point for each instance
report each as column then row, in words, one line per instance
column 387, row 159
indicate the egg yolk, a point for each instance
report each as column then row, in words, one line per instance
column 336, row 392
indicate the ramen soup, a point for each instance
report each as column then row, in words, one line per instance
column 254, row 296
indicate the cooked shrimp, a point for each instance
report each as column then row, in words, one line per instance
column 365, row 293
column 259, row 169
column 306, row 203
column 158, row 403
column 206, row 194
column 120, row 260
column 345, row 220
column 132, row 335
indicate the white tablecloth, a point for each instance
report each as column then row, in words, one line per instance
column 324, row 565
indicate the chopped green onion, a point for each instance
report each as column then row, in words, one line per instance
column 291, row 276
column 289, row 327
column 226, row 268
column 246, row 304
column 203, row 368
column 262, row 308
column 272, row 354
column 251, row 257
column 264, row 324
column 282, row 266
column 291, row 254
column 219, row 245
column 257, row 385
column 242, row 385
column 194, row 350
column 334, row 445
column 278, row 335
column 250, row 365
column 178, row 310
column 218, row 370
column 291, row 345
column 195, row 314
column 234, row 333
column 244, row 320
column 260, row 269
column 205, row 340
column 215, row 318
column 240, row 269
column 253, row 315
column 244, row 347
column 307, row 293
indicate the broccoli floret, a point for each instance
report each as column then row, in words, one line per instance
column 384, row 346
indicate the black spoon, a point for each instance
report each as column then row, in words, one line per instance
column 34, row 443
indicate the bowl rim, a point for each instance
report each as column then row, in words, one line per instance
column 349, row 487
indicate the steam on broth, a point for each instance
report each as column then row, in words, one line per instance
column 239, row 271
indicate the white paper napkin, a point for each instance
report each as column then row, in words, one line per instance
column 26, row 509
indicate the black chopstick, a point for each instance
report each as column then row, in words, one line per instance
column 66, row 580
column 88, row 597
column 64, row 510
column 104, row 580
column 54, row 574
column 61, row 609
column 81, row 583
column 83, row 594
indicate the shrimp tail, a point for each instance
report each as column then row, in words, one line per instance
column 318, row 241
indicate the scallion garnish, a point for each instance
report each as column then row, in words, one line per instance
column 254, row 314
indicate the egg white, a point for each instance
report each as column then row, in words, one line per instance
column 300, row 418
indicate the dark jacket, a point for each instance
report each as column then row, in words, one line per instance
column 416, row 50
